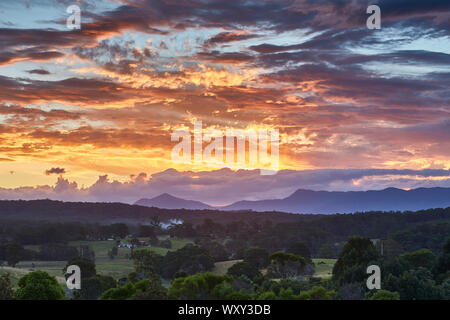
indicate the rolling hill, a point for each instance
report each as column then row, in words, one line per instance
column 325, row 202
column 167, row 201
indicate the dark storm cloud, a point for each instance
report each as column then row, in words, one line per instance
column 41, row 72
column 410, row 7
column 284, row 15
column 33, row 54
column 359, row 96
column 225, row 186
column 103, row 138
column 271, row 48
column 228, row 57
column 70, row 90
column 55, row 171
column 360, row 84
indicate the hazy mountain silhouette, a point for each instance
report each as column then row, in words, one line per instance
column 167, row 201
column 325, row 202
column 391, row 199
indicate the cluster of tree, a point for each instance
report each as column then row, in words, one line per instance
column 209, row 286
column 36, row 232
column 150, row 232
column 48, row 210
column 146, row 289
column 93, row 284
column 274, row 232
column 56, row 252
column 14, row 252
column 215, row 249
column 6, row 288
column 428, row 235
column 37, row 285
column 206, row 286
column 366, row 224
column 275, row 249
column 417, row 275
column 288, row 266
column 52, row 240
column 323, row 236
column 114, row 252
column 188, row 260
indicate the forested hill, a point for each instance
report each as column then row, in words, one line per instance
column 50, row 210
column 326, row 202
column 371, row 224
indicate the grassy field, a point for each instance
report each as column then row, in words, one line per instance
column 324, row 270
column 176, row 244
column 223, row 266
column 119, row 267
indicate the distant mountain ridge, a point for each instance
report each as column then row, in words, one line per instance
column 326, row 202
column 167, row 201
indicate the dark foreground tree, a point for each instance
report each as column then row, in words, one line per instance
column 300, row 249
column 93, row 287
column 442, row 268
column 14, row 253
column 257, row 257
column 327, row 251
column 244, row 269
column 415, row 285
column 287, row 266
column 385, row 295
column 57, row 252
column 147, row 261
column 146, row 289
column 87, row 267
column 189, row 259
column 6, row 290
column 421, row 258
column 197, row 287
column 358, row 253
column 39, row 285
column 216, row 250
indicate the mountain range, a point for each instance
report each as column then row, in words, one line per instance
column 324, row 202
column 167, row 201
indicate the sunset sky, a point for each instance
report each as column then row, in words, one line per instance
column 355, row 108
